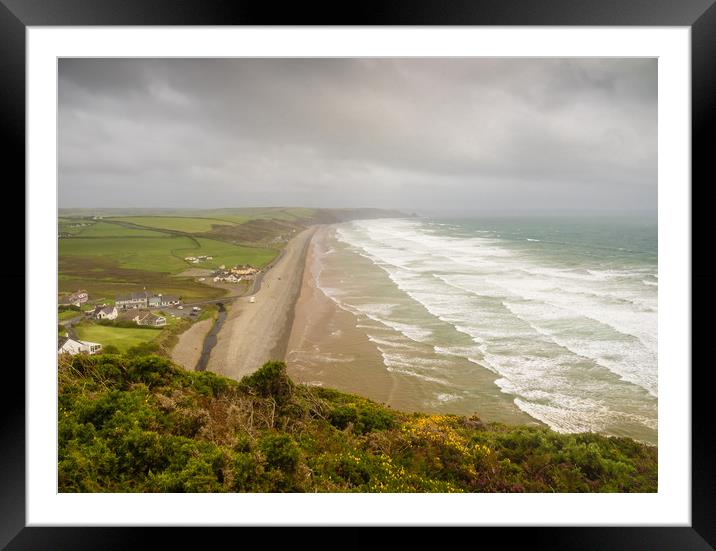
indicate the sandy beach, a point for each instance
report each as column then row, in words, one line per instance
column 324, row 347
column 188, row 349
column 332, row 346
column 255, row 333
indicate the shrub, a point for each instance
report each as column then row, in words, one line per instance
column 210, row 384
column 129, row 324
column 281, row 452
column 150, row 370
column 365, row 417
column 270, row 380
column 246, row 472
column 144, row 349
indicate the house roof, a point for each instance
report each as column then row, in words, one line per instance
column 148, row 317
column 140, row 295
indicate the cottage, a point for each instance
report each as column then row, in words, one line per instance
column 150, row 319
column 105, row 312
column 73, row 347
column 75, row 299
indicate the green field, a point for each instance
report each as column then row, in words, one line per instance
column 72, row 226
column 163, row 254
column 228, row 254
column 127, row 251
column 174, row 223
column 105, row 229
column 121, row 337
column 149, row 253
column 68, row 314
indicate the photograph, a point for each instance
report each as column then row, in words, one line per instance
column 357, row 275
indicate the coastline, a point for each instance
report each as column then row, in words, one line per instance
column 319, row 324
column 255, row 333
column 329, row 347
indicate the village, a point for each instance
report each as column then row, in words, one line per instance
column 141, row 309
column 243, row 272
column 132, row 308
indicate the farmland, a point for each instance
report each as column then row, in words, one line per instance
column 228, row 254
column 119, row 254
column 104, row 229
column 174, row 223
column 163, row 254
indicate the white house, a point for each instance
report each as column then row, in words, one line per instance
column 105, row 312
column 72, row 347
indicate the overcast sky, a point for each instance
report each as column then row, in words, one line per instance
column 468, row 134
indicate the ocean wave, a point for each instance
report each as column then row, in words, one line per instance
column 418, row 375
column 568, row 339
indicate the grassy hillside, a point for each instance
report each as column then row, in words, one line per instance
column 140, row 424
column 175, row 223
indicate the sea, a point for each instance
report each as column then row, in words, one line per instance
column 551, row 321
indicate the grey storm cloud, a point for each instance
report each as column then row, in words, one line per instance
column 401, row 133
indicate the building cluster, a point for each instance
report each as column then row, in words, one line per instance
column 141, row 301
column 242, row 272
column 198, row 259
column 145, row 299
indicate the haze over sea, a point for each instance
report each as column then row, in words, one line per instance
column 551, row 318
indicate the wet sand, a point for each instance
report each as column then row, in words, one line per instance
column 329, row 347
column 255, row 333
column 324, row 346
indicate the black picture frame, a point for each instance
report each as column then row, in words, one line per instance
column 699, row 15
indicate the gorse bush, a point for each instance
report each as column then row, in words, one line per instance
column 270, row 381
column 136, row 423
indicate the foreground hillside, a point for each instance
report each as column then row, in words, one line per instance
column 140, row 424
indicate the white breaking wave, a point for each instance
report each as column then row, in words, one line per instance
column 552, row 332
